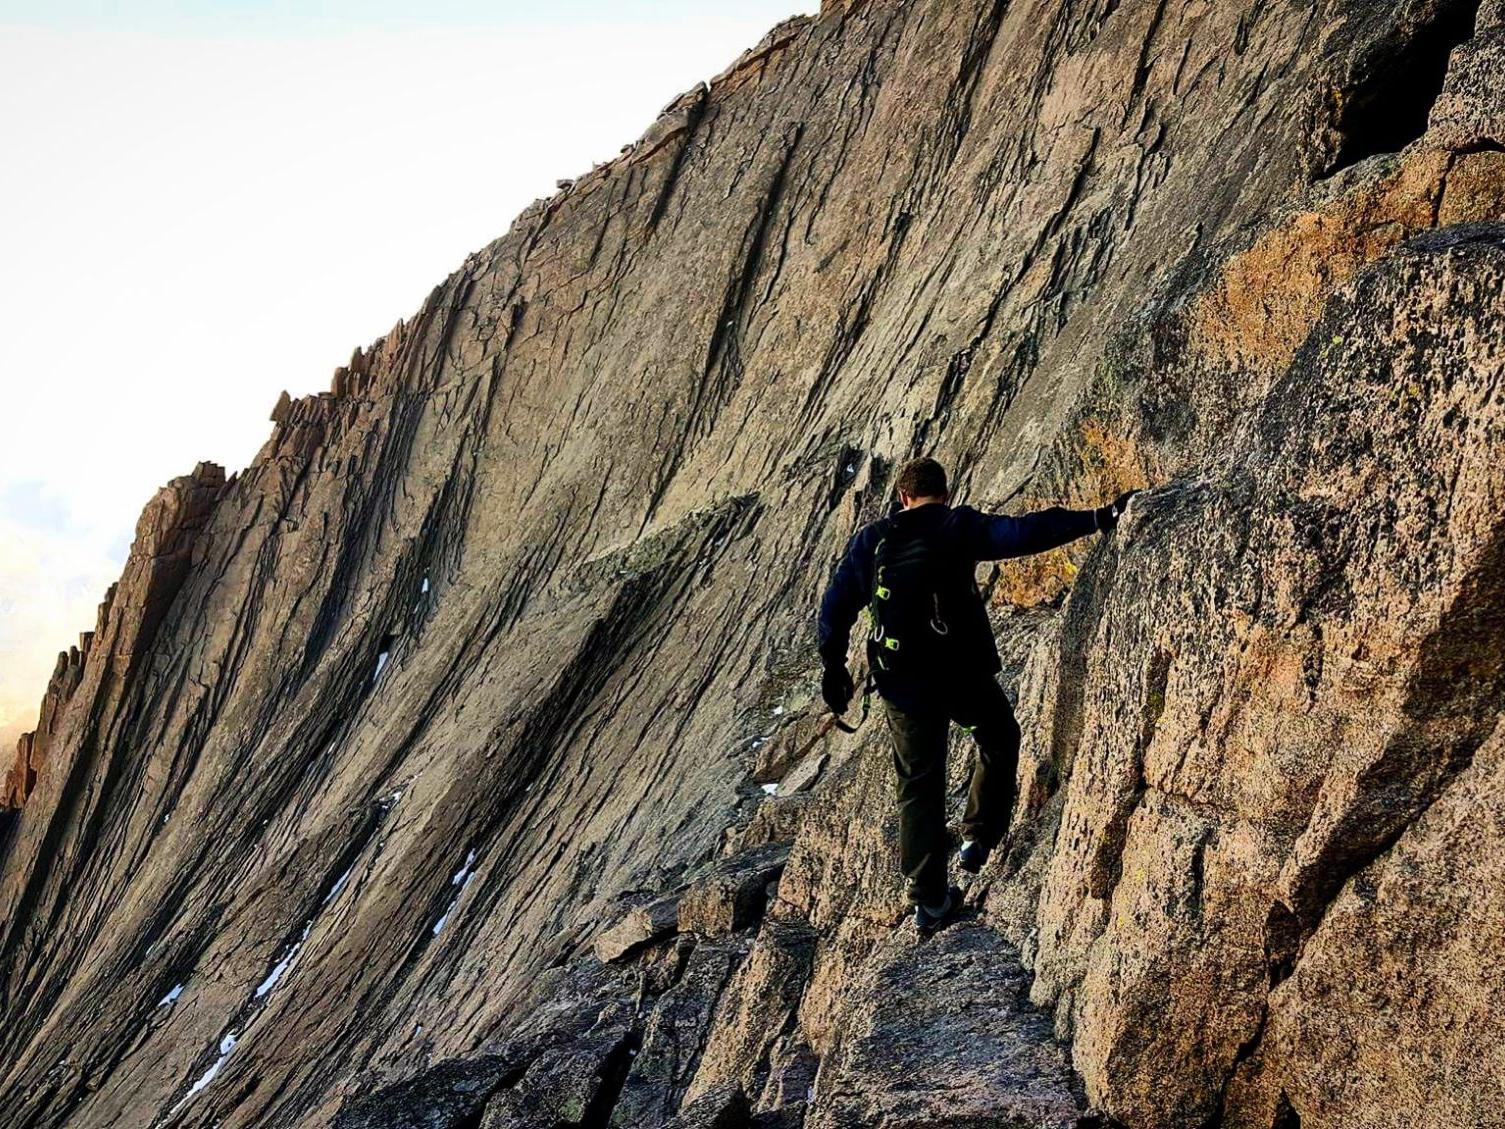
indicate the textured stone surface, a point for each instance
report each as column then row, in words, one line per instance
column 674, row 1036
column 733, row 891
column 575, row 1085
column 799, row 737
column 448, row 1094
column 942, row 1036
column 722, row 1108
column 755, row 1043
column 1384, row 1009
column 638, row 926
column 1470, row 113
column 1320, row 662
column 500, row 636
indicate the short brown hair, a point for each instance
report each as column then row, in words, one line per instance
column 922, row 478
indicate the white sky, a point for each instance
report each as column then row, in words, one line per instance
column 222, row 200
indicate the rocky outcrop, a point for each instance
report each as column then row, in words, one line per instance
column 31, row 748
column 459, row 762
column 640, row 925
column 160, row 558
column 731, row 895
column 1313, row 674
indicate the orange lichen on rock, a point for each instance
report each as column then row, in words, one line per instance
column 1270, row 295
column 1474, row 189
column 1031, row 581
column 1110, row 462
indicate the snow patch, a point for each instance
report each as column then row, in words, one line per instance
column 280, row 969
column 171, row 997
column 381, row 661
column 226, row 1045
column 339, row 886
column 771, row 789
column 424, row 590
column 464, row 872
column 462, row 878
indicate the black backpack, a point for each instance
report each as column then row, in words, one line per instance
column 909, row 627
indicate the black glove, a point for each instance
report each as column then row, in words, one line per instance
column 1107, row 516
column 836, row 688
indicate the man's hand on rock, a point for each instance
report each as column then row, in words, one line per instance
column 1108, row 516
column 836, row 688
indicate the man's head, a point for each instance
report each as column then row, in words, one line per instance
column 921, row 481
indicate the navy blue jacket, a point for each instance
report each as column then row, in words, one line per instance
column 965, row 535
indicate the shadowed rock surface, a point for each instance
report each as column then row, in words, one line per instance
column 481, row 674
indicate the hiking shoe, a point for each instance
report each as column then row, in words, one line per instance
column 973, row 856
column 928, row 919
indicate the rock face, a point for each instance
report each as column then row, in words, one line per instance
column 458, row 762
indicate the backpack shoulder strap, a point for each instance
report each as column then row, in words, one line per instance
column 886, row 531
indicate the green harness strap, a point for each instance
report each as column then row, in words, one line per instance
column 880, row 592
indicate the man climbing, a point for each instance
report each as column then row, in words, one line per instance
column 933, row 659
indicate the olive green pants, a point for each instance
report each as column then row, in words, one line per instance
column 920, row 738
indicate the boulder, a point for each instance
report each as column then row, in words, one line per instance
column 674, row 1036
column 723, row 1108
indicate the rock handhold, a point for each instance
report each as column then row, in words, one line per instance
column 732, row 894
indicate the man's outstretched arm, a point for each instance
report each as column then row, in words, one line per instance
column 844, row 600
column 992, row 537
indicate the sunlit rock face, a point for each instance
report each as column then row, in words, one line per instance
column 459, row 762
